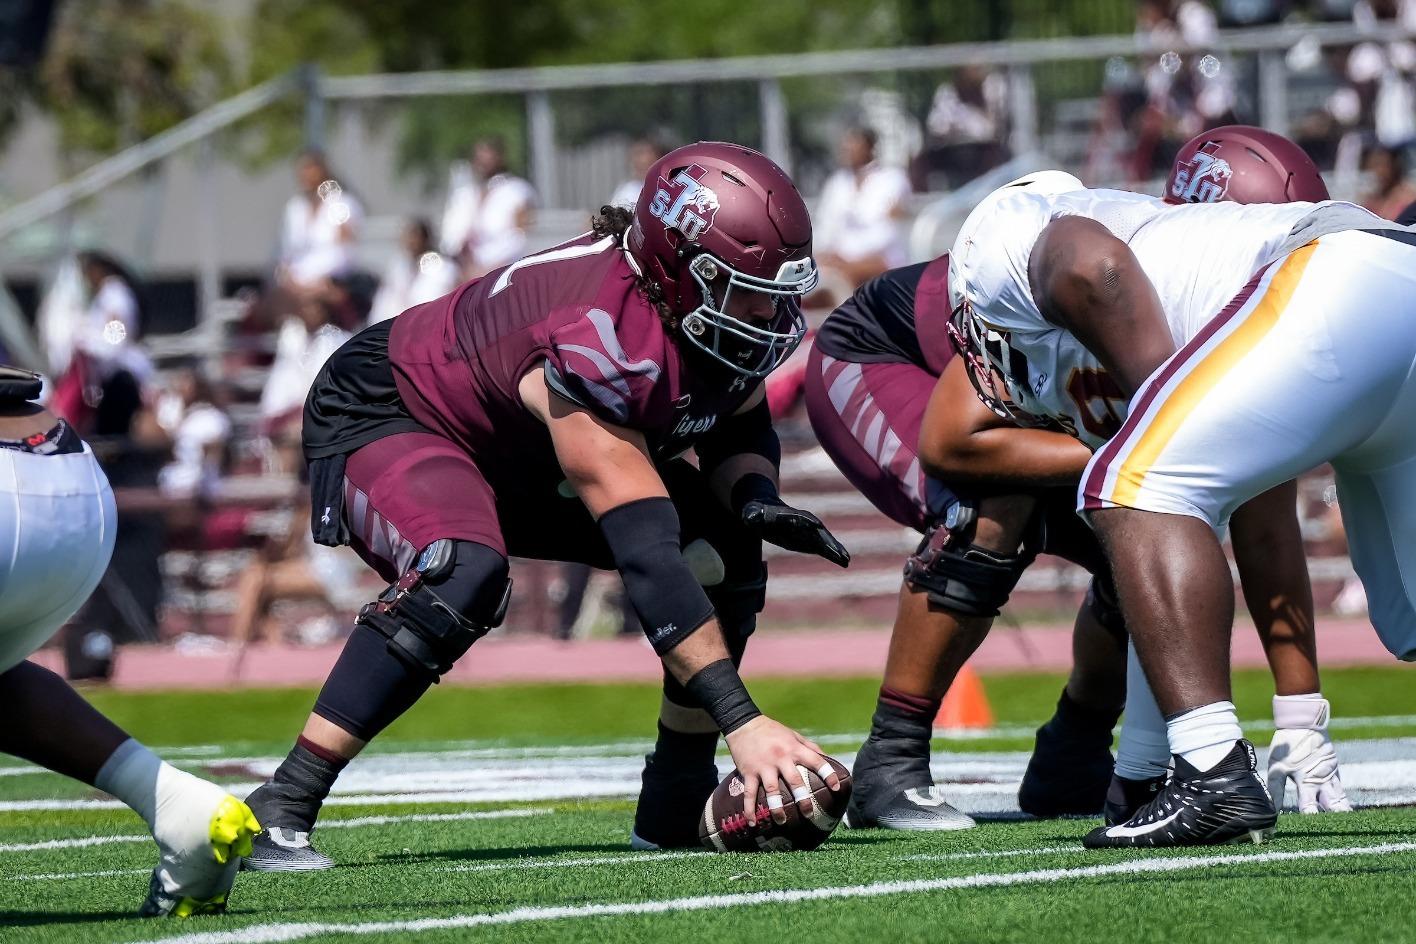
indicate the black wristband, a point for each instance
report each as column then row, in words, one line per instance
column 718, row 689
column 754, row 486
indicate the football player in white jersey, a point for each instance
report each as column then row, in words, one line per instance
column 1275, row 338
column 1241, row 164
column 57, row 523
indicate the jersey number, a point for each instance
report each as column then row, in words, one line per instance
column 1088, row 386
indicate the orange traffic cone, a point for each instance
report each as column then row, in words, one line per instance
column 965, row 705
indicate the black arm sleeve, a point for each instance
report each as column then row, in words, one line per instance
column 749, row 432
column 643, row 537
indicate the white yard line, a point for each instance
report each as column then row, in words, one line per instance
column 60, row 876
column 207, row 754
column 295, row 931
column 76, row 843
column 997, row 854
column 350, row 823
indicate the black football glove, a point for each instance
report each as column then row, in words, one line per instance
column 755, row 498
column 791, row 528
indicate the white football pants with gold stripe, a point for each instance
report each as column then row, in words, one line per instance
column 1314, row 362
column 57, row 526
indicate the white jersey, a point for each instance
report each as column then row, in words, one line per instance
column 1198, row 256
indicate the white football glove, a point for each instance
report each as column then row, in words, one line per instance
column 1302, row 752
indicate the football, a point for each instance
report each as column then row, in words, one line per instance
column 724, row 827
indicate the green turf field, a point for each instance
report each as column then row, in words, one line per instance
column 477, row 818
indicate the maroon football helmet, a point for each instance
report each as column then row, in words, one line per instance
column 1243, row 164
column 714, row 219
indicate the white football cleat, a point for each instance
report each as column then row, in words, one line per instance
column 202, row 832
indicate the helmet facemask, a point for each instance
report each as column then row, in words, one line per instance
column 997, row 371
column 751, row 348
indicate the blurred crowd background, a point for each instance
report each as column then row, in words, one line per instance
column 200, row 201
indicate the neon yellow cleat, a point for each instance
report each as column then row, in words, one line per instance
column 198, row 865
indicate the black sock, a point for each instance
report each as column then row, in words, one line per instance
column 293, row 796
column 685, row 750
column 1075, row 714
column 901, row 715
column 899, row 734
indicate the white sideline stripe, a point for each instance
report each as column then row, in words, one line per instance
column 327, row 824
column 273, row 933
column 570, row 863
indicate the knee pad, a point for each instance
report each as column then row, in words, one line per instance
column 1105, row 606
column 455, row 594
column 962, row 578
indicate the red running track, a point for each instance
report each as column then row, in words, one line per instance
column 836, row 652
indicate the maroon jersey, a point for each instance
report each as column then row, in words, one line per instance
column 898, row 317
column 576, row 312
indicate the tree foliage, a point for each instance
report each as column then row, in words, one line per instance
column 119, row 71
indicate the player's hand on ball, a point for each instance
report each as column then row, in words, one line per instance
column 1307, row 757
column 796, row 530
column 767, row 753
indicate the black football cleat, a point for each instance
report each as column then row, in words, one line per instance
column 671, row 804
column 278, row 849
column 1070, row 767
column 1228, row 803
column 1124, row 797
column 891, row 788
column 284, row 844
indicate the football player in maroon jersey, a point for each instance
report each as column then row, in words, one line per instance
column 543, row 411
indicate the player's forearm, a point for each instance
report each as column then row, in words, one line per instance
column 699, row 650
column 1005, row 456
column 734, row 469
column 742, row 444
column 1273, row 574
column 702, row 665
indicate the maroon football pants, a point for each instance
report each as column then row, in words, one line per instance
column 403, row 492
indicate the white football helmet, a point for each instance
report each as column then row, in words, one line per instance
column 978, row 271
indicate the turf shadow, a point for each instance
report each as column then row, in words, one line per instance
column 500, row 854
column 29, row 919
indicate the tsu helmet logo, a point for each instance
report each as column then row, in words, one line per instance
column 684, row 204
column 1202, row 179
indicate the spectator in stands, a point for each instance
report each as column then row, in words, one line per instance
column 293, row 567
column 306, row 340
column 198, row 430
column 489, row 214
column 319, row 228
column 417, row 273
column 967, row 129
column 859, row 221
column 104, row 370
column 1186, row 91
column 1391, row 191
column 643, row 152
